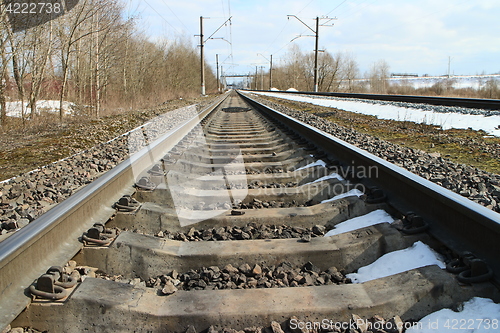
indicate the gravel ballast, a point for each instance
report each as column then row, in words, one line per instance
column 477, row 185
column 25, row 197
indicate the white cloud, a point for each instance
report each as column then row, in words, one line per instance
column 413, row 36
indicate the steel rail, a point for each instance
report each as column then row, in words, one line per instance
column 52, row 239
column 456, row 221
column 477, row 103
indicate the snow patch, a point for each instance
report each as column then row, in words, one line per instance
column 372, row 218
column 14, row 109
column 313, row 164
column 416, row 256
column 353, row 192
column 446, row 120
column 478, row 315
column 330, row 176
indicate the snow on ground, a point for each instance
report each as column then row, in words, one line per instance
column 416, row 256
column 479, row 315
column 14, row 108
column 445, row 120
column 456, row 81
column 345, row 195
column 313, row 164
column 372, row 218
column 333, row 175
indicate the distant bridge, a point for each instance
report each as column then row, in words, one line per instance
column 237, row 75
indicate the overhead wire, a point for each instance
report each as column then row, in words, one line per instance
column 178, row 19
column 336, row 7
column 162, row 16
column 300, row 11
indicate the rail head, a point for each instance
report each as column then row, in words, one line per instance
column 53, row 238
column 456, row 221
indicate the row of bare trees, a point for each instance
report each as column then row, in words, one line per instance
column 336, row 72
column 95, row 58
column 296, row 70
column 340, row 72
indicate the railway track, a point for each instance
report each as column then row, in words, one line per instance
column 479, row 103
column 225, row 222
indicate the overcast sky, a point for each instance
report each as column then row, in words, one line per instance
column 412, row 36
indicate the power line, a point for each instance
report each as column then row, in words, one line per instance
column 336, row 7
column 272, row 43
column 300, row 11
column 357, row 5
column 161, row 16
column 187, row 29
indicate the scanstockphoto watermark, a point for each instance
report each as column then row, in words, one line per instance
column 320, row 169
column 328, row 324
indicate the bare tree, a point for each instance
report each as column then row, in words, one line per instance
column 40, row 49
column 19, row 64
column 73, row 27
column 4, row 63
column 378, row 76
column 351, row 72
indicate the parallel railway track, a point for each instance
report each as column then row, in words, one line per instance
column 478, row 103
column 225, row 229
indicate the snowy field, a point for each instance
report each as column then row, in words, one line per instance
column 457, row 82
column 490, row 124
column 14, row 108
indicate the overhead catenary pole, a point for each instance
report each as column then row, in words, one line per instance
column 255, row 79
column 217, row 64
column 261, row 77
column 271, row 73
column 270, row 70
column 316, row 48
column 202, row 58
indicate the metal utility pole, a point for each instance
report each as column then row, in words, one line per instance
column 261, row 77
column 217, row 64
column 316, row 49
column 202, row 44
column 255, row 79
column 270, row 70
column 202, row 56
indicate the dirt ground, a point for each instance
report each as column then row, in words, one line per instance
column 28, row 148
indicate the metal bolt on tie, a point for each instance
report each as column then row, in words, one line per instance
column 126, row 204
column 156, row 170
column 53, row 284
column 98, row 235
column 478, row 272
column 470, row 269
column 375, row 196
column 414, row 224
column 145, row 184
column 460, row 264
